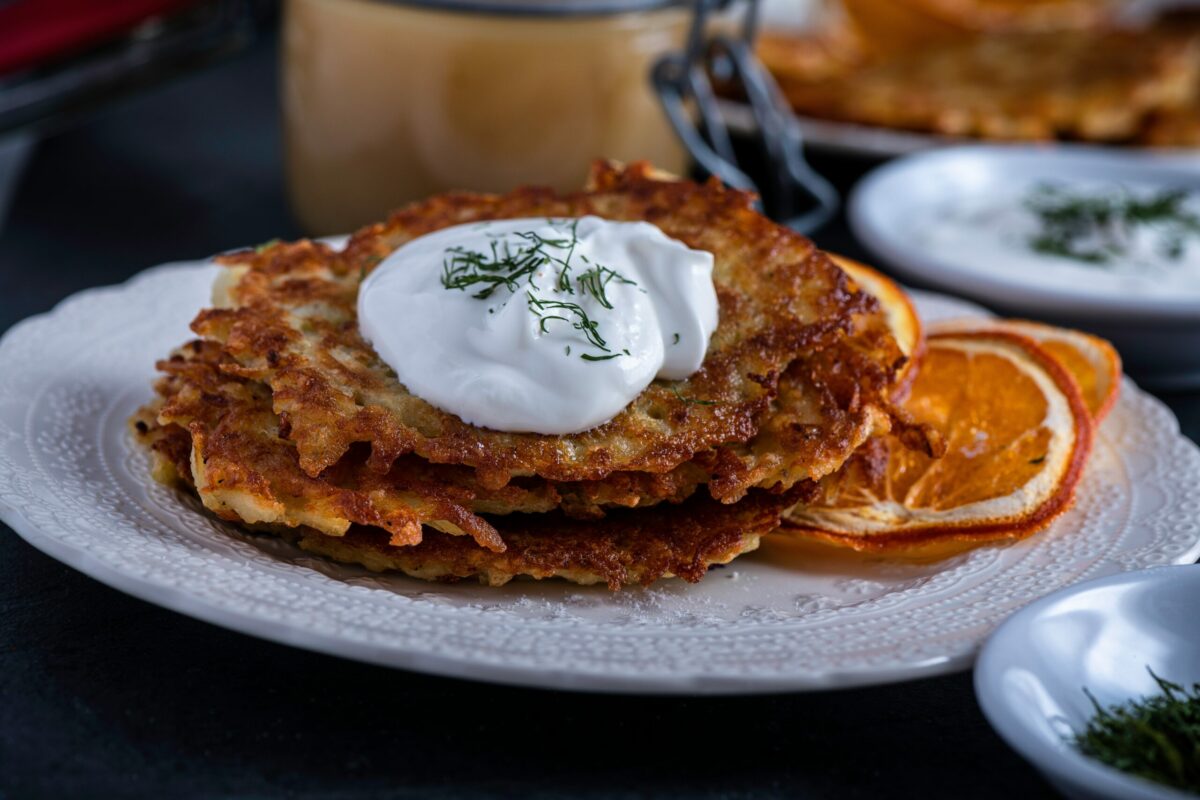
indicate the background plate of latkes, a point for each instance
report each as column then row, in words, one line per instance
column 74, row 485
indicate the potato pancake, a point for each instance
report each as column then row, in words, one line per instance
column 288, row 319
column 1088, row 85
column 626, row 547
column 243, row 463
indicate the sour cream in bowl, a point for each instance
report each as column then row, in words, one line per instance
column 1105, row 241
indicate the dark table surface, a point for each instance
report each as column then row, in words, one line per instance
column 104, row 695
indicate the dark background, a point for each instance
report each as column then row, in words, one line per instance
column 103, row 695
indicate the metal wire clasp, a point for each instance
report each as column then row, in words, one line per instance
column 799, row 197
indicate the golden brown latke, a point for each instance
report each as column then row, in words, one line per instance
column 290, row 322
column 827, row 407
column 239, row 447
column 815, row 421
column 891, row 26
column 627, row 547
column 245, row 469
column 1175, row 127
column 1091, row 85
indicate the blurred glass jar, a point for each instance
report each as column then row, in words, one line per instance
column 387, row 102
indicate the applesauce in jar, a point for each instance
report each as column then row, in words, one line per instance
column 389, row 102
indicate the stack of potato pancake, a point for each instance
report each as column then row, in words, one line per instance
column 283, row 418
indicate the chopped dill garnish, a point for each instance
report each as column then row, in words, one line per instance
column 516, row 265
column 463, row 268
column 1156, row 738
column 595, row 282
column 582, row 322
column 564, row 274
column 1099, row 228
column 692, row 400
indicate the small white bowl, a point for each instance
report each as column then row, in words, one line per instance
column 1158, row 334
column 1102, row 635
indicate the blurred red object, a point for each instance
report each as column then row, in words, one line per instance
column 34, row 32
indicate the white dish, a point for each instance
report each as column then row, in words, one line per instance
column 1102, row 635
column 892, row 205
column 875, row 141
column 1158, row 334
column 73, row 484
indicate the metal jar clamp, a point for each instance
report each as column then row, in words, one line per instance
column 797, row 196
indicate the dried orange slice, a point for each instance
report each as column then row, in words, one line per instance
column 1092, row 361
column 1017, row 433
column 898, row 309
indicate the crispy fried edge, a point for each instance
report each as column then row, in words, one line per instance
column 638, row 547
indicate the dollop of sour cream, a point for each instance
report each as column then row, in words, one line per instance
column 540, row 325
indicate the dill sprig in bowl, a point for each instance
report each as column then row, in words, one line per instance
column 1096, row 685
column 1156, row 737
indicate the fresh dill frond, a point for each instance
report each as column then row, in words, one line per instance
column 515, row 265
column 579, row 319
column 463, row 269
column 1156, row 738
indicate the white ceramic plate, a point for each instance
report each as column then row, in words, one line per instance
column 73, row 484
column 1102, row 635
